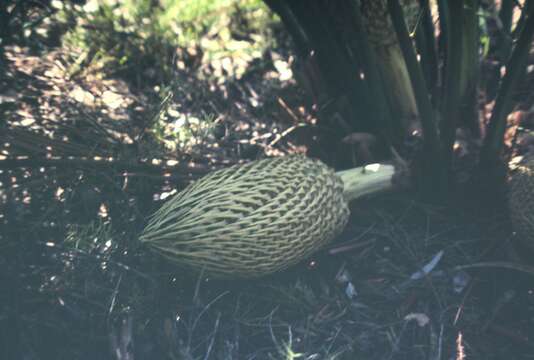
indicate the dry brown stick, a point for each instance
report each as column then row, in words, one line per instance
column 288, row 110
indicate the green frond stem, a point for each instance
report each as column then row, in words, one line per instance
column 365, row 180
column 426, row 47
column 434, row 172
column 450, row 109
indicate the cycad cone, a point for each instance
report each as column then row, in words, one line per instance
column 255, row 219
column 521, row 201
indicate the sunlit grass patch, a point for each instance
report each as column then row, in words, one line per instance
column 145, row 40
column 96, row 237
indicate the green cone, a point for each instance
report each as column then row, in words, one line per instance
column 254, row 219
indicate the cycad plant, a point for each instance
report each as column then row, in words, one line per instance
column 379, row 61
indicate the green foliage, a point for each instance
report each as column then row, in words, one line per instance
column 178, row 130
column 191, row 20
column 119, row 37
column 95, row 238
column 134, row 35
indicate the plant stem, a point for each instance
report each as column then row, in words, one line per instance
column 368, row 59
column 505, row 14
column 365, row 180
column 515, row 68
column 521, row 22
column 418, row 83
column 453, row 80
column 432, row 169
column 470, row 68
column 427, row 47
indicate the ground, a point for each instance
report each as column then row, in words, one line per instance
column 87, row 157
